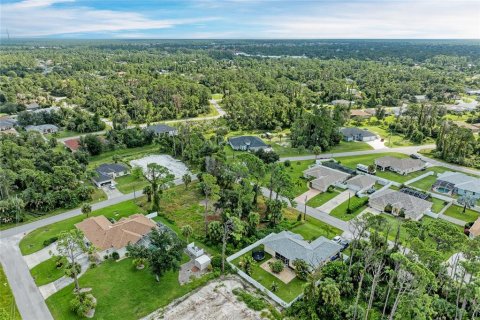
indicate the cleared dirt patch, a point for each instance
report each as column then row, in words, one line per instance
column 214, row 301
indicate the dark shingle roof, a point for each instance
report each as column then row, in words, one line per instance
column 251, row 141
column 106, row 168
column 350, row 132
column 101, row 177
column 160, row 128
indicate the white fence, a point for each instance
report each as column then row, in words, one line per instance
column 252, row 281
column 152, row 215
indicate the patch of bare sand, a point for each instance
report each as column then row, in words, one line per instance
column 213, row 301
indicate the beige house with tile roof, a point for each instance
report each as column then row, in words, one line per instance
column 109, row 237
column 324, row 177
column 414, row 208
column 401, row 166
column 475, row 229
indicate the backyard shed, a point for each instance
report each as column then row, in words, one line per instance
column 202, row 262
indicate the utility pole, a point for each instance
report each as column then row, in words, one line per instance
column 305, row 210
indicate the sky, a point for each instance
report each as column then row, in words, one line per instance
column 241, row 19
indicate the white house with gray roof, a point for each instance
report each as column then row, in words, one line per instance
column 401, row 166
column 323, row 177
column 356, row 134
column 360, row 183
column 43, row 128
column 288, row 247
column 457, row 183
column 107, row 172
column 161, row 129
column 412, row 207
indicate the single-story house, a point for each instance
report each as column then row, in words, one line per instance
column 421, row 98
column 473, row 92
column 342, row 102
column 360, row 113
column 47, row 110
column 6, row 124
column 360, row 183
column 356, row 134
column 72, row 144
column 162, row 129
column 108, row 237
column 32, row 106
column 474, row 230
column 457, row 183
column 413, row 208
column 401, row 166
column 324, row 177
column 462, row 106
column 247, row 143
column 288, row 247
column 43, row 128
column 107, row 172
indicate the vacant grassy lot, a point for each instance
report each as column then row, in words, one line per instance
column 128, row 183
column 313, row 228
column 340, row 212
column 122, row 292
column 295, row 171
column 286, row 291
column 425, row 183
column 457, row 212
column 125, row 155
column 7, row 300
column 322, row 198
column 33, row 241
column 46, row 272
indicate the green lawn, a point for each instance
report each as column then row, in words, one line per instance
column 128, row 183
column 217, row 96
column 392, row 140
column 438, row 204
column 63, row 134
column 46, row 272
column 322, row 198
column 122, row 292
column 313, row 228
column 286, row 291
column 340, row 211
column 295, row 171
column 33, row 241
column 425, row 183
column 7, row 300
column 125, row 154
column 457, row 212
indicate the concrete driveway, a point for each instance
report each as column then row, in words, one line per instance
column 308, row 195
column 38, row 257
column 332, row 204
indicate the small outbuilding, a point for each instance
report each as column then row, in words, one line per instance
column 202, row 262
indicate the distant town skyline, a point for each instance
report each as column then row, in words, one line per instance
column 245, row 19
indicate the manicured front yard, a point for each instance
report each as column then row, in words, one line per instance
column 128, row 183
column 7, row 300
column 313, row 228
column 340, row 211
column 33, row 241
column 46, row 272
column 425, row 183
column 286, row 291
column 457, row 212
column 322, row 198
column 295, row 171
column 438, row 205
column 122, row 292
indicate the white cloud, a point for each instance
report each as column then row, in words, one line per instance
column 38, row 18
column 380, row 19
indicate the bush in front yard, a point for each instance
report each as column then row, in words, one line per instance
column 277, row 266
column 115, row 255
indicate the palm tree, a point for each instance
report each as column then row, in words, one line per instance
column 86, row 209
column 187, row 231
column 148, row 192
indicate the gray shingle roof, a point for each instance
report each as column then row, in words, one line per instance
column 325, row 177
column 399, row 163
column 42, row 127
column 413, row 207
column 460, row 181
column 292, row 246
column 250, row 141
column 106, row 168
column 361, row 181
column 352, row 132
column 160, row 128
